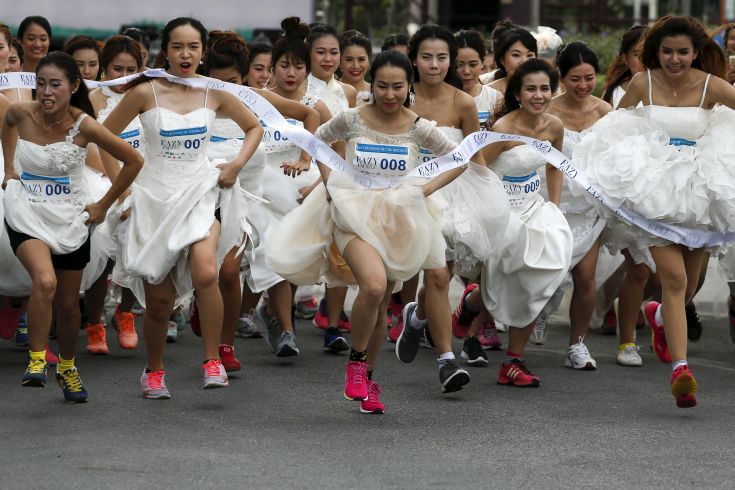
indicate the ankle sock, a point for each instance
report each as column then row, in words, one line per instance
column 676, row 364
column 415, row 322
column 447, row 356
column 621, row 347
column 37, row 356
column 511, row 356
column 359, row 356
column 65, row 364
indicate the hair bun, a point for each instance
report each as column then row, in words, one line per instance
column 294, row 28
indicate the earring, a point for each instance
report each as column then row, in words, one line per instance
column 201, row 62
column 411, row 98
column 371, row 98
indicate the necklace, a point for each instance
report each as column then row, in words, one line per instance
column 43, row 122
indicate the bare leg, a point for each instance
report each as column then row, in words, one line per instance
column 280, row 300
column 378, row 338
column 630, row 296
column 66, row 307
column 159, row 303
column 229, row 286
column 36, row 258
column 204, row 275
column 94, row 297
column 249, row 300
column 584, row 295
column 434, row 304
column 335, row 298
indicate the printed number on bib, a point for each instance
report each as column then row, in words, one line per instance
column 381, row 159
column 521, row 190
column 47, row 189
column 183, row 144
column 276, row 142
column 132, row 138
column 425, row 155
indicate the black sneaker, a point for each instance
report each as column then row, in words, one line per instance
column 731, row 317
column 451, row 377
column 428, row 340
column 334, row 341
column 473, row 353
column 407, row 345
column 694, row 324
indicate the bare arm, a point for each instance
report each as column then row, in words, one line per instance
column 635, row 92
column 720, row 92
column 554, row 176
column 9, row 140
column 350, row 93
column 470, row 122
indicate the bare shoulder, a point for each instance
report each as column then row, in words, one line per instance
column 601, row 106
column 349, row 90
column 464, row 101
column 554, row 124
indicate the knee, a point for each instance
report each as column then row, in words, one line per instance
column 584, row 279
column 676, row 282
column 437, row 279
column 229, row 275
column 638, row 274
column 159, row 307
column 373, row 289
column 45, row 284
column 204, row 276
column 67, row 309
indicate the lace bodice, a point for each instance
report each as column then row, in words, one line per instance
column 518, row 161
column 348, row 126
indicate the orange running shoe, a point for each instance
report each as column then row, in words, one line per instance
column 124, row 323
column 97, row 339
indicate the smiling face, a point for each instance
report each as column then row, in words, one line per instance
column 676, row 55
column 54, row 90
column 88, row 62
column 355, row 64
column 580, row 81
column 432, row 61
column 469, row 67
column 35, row 42
column 390, row 89
column 184, row 51
column 289, row 73
column 325, row 57
column 535, row 93
column 259, row 71
column 515, row 56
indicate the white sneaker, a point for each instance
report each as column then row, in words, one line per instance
column 629, row 356
column 578, row 357
column 540, row 331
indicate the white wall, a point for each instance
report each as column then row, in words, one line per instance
column 109, row 14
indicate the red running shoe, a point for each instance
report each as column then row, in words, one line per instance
column 97, row 339
column 196, row 325
column 51, row 358
column 609, row 323
column 346, row 326
column 396, row 330
column 516, row 373
column 461, row 318
column 227, row 356
column 320, row 320
column 356, row 381
column 658, row 336
column 489, row 336
column 373, row 403
column 9, row 318
column 684, row 387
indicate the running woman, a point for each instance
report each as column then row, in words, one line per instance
column 86, row 53
column 514, row 46
column 48, row 207
column 384, row 235
column 171, row 243
column 536, row 249
column 259, row 71
column 670, row 147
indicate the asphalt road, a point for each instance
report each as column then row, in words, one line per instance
column 285, row 424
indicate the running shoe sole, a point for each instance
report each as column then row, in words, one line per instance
column 456, row 381
column 406, row 327
column 34, row 382
column 287, row 351
column 161, row 396
column 215, row 384
column 684, row 389
column 480, row 361
column 337, row 345
column 588, row 366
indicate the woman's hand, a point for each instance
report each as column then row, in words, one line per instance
column 10, row 176
column 96, row 212
column 295, row 169
column 228, row 174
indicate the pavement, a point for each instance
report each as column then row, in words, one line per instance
column 284, row 423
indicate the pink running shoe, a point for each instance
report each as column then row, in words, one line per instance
column 684, row 387
column 215, row 375
column 489, row 336
column 153, row 385
column 461, row 318
column 660, row 347
column 356, row 381
column 373, row 403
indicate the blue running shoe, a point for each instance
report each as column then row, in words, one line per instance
column 71, row 383
column 334, row 341
column 35, row 374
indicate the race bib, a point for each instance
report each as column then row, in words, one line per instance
column 47, row 189
column 484, row 116
column 274, row 141
column 521, row 190
column 220, row 139
column 388, row 160
column 425, row 155
column 183, row 144
column 133, row 138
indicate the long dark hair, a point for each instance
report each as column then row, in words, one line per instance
column 710, row 57
column 507, row 38
column 443, row 34
column 618, row 72
column 393, row 40
column 291, row 44
column 120, row 44
column 515, row 82
column 83, row 42
column 473, row 40
column 574, row 54
column 34, row 19
column 65, row 63
column 391, row 57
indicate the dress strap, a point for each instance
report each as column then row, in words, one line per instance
column 650, row 87
column 704, row 92
column 206, row 94
column 75, row 129
column 154, row 91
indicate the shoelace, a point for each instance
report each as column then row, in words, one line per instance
column 357, row 373
column 212, row 368
column 374, row 389
column 72, row 380
column 520, row 367
column 630, row 349
column 126, row 323
column 155, row 380
column 580, row 348
column 37, row 366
